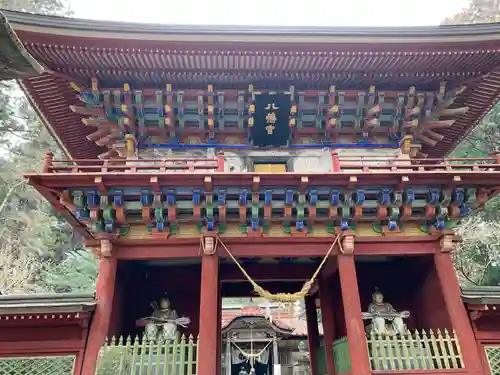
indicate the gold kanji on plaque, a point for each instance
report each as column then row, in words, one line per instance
column 272, row 106
column 271, row 118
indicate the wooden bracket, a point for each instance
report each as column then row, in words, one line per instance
column 448, row 241
column 348, row 239
column 104, row 249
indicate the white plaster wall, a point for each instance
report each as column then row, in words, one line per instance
column 312, row 161
column 161, row 154
column 372, row 157
column 304, row 161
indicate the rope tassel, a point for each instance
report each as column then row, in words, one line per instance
column 283, row 297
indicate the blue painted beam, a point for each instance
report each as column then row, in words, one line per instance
column 243, row 147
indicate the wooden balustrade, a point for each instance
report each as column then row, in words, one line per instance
column 121, row 165
column 346, row 164
column 141, row 357
column 418, row 350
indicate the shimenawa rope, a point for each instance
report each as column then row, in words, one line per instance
column 281, row 297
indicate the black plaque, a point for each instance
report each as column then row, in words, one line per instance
column 271, row 126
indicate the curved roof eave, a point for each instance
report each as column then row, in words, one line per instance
column 479, row 295
column 272, row 325
column 47, row 303
column 15, row 61
column 279, row 34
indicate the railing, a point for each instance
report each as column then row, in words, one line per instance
column 375, row 164
column 121, row 165
column 346, row 164
column 124, row 356
column 415, row 351
column 341, row 355
column 61, row 365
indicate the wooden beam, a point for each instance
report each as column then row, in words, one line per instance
column 440, row 124
column 428, row 141
column 98, row 112
column 453, row 111
column 272, row 247
column 99, row 123
column 422, row 175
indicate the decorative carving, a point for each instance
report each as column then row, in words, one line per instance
column 406, row 144
column 348, row 244
column 447, row 243
column 384, row 318
column 209, row 245
column 106, row 248
column 130, row 146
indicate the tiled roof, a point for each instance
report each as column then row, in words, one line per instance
column 145, row 55
column 283, row 320
column 46, row 303
column 481, row 295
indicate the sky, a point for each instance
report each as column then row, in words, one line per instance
column 272, row 12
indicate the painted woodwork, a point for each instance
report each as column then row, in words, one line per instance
column 327, row 316
column 102, row 320
column 185, row 158
column 222, row 61
column 226, row 117
column 458, row 315
column 312, row 333
column 316, row 208
column 209, row 312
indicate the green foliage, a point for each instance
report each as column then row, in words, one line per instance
column 116, row 360
column 477, row 260
column 76, row 273
column 478, row 11
column 38, row 248
column 56, row 7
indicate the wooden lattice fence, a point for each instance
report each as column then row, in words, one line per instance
column 60, row 365
column 127, row 356
column 419, row 350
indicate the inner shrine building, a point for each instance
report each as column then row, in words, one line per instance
column 306, row 166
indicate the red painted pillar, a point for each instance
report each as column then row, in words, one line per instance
column 99, row 326
column 208, row 362
column 312, row 333
column 219, row 329
column 326, row 304
column 220, row 162
column 458, row 314
column 356, row 335
column 336, row 162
